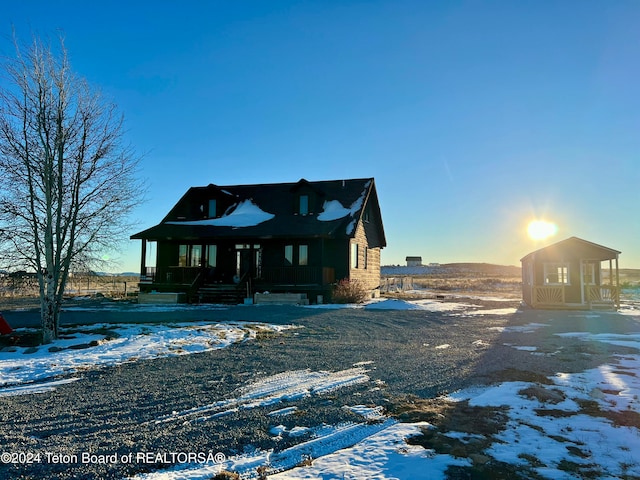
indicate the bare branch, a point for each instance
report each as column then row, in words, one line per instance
column 67, row 182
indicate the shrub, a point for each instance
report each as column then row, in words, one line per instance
column 349, row 291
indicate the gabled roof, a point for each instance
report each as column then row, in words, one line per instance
column 270, row 211
column 573, row 244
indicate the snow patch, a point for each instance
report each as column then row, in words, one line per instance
column 384, row 455
column 127, row 343
column 35, row 388
column 494, row 311
column 601, row 443
column 246, row 214
column 333, row 210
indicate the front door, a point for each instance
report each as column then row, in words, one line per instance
column 248, row 261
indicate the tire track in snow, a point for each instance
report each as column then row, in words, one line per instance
column 285, row 386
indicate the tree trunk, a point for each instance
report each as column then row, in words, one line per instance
column 49, row 310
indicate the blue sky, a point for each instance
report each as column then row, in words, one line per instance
column 474, row 117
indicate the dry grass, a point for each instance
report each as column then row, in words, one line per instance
column 464, row 284
column 478, row 279
column 467, row 279
column 113, row 286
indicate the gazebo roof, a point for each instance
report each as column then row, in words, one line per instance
column 574, row 247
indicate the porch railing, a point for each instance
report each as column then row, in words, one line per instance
column 548, row 295
column 174, row 275
column 295, row 275
column 594, row 294
column 603, row 294
column 299, row 275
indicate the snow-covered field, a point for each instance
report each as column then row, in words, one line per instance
column 576, row 425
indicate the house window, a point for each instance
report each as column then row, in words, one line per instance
column 302, row 252
column 304, row 205
column 556, row 274
column 195, row 259
column 213, row 205
column 354, row 255
column 366, row 257
column 303, row 255
column 212, row 256
column 189, row 255
column 182, row 255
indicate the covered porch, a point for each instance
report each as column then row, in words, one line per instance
column 228, row 271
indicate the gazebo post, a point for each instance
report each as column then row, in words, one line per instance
column 617, row 284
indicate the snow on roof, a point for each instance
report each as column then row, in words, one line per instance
column 334, row 210
column 246, row 214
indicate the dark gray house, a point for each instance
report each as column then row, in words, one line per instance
column 227, row 242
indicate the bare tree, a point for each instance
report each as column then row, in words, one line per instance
column 67, row 182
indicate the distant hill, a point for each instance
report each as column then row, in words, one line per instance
column 451, row 269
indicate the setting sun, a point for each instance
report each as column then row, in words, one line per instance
column 540, row 229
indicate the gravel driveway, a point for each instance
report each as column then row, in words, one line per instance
column 113, row 410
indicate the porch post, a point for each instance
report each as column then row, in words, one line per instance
column 617, row 284
column 143, row 259
column 611, row 272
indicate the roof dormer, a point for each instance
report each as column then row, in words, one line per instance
column 307, row 199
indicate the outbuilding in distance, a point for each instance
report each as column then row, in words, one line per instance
column 414, row 261
column 569, row 274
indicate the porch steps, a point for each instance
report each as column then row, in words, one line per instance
column 229, row 294
column 281, row 299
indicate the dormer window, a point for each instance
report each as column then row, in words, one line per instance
column 213, row 205
column 304, row 205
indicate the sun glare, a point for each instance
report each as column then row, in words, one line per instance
column 539, row 229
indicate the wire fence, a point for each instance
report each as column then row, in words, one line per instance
column 396, row 284
column 25, row 284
